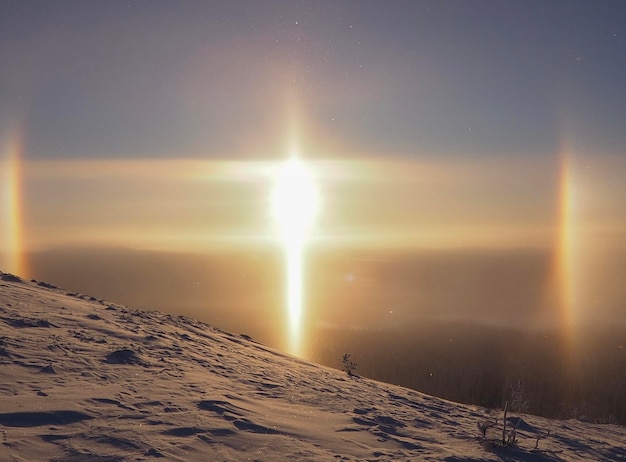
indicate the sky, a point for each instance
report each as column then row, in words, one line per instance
column 459, row 128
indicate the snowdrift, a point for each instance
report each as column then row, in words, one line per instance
column 82, row 379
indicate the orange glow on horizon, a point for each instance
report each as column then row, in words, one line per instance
column 566, row 241
column 170, row 204
column 566, row 280
column 13, row 226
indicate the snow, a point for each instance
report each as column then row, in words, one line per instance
column 87, row 380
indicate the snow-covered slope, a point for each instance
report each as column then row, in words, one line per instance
column 86, row 380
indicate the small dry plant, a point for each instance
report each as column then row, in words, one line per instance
column 348, row 366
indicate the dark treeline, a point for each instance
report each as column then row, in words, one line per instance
column 537, row 372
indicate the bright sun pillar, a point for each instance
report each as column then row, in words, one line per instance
column 294, row 202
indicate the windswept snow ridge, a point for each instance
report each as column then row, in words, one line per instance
column 86, row 380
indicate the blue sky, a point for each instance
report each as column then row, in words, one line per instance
column 220, row 79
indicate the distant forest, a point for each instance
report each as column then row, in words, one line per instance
column 477, row 364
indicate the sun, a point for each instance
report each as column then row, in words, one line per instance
column 295, row 203
column 294, row 200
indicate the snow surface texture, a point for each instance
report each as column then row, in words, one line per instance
column 86, row 380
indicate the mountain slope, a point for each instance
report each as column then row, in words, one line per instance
column 86, row 380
